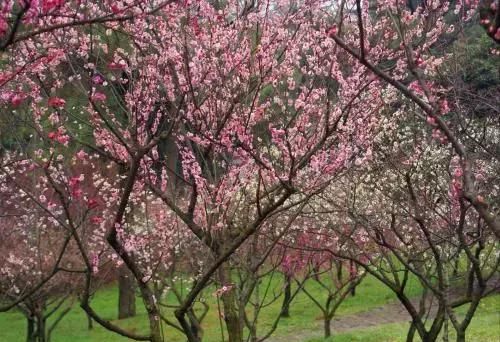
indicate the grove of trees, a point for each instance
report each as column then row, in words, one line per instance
column 190, row 148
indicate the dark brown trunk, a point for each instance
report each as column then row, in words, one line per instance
column 429, row 338
column 416, row 318
column 126, row 293
column 40, row 330
column 30, row 329
column 437, row 325
column 328, row 328
column 411, row 333
column 196, row 328
column 285, row 307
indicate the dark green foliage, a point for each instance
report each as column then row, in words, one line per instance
column 481, row 67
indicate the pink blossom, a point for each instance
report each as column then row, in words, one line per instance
column 74, row 181
column 332, row 31
column 115, row 9
column 117, row 66
column 74, row 184
column 224, row 289
column 439, row 136
column 56, row 102
column 415, row 86
column 48, row 5
column 17, row 99
column 63, row 139
column 82, row 155
column 59, row 136
column 444, row 107
column 3, row 25
column 77, row 192
column 54, row 118
column 98, row 79
column 96, row 220
column 98, row 96
column 196, row 26
column 92, row 203
column 431, row 121
column 4, row 77
column 420, row 62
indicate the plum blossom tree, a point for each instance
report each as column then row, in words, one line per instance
column 396, row 45
column 260, row 109
column 21, row 20
column 40, row 269
column 313, row 262
column 412, row 222
column 224, row 115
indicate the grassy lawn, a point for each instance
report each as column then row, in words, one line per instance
column 370, row 294
column 485, row 327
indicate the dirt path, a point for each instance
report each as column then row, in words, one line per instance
column 389, row 313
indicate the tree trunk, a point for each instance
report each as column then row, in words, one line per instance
column 446, row 331
column 195, row 325
column 285, row 307
column 411, row 333
column 90, row 323
column 40, row 331
column 252, row 330
column 153, row 312
column 461, row 336
column 437, row 325
column 231, row 316
column 155, row 327
column 30, row 329
column 416, row 317
column 328, row 329
column 126, row 295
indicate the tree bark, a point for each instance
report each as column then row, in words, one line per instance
column 40, row 331
column 30, row 329
column 327, row 326
column 126, row 293
column 411, row 333
column 153, row 313
column 231, row 316
column 436, row 326
column 196, row 328
column 285, row 307
column 460, row 336
column 253, row 333
column 155, row 327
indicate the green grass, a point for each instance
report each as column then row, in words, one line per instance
column 370, row 294
column 485, row 327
